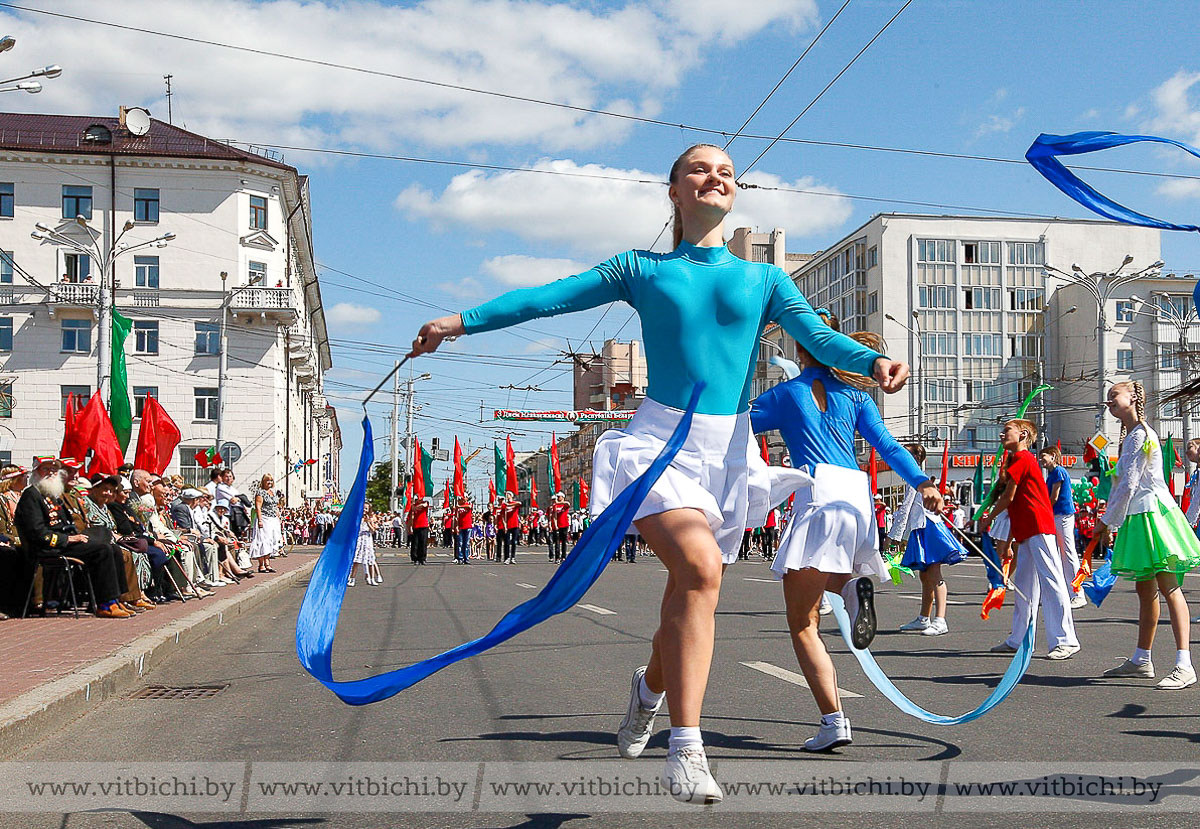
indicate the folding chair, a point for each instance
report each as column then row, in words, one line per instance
column 52, row 568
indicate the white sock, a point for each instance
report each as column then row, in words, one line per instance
column 685, row 737
column 646, row 697
column 1183, row 659
column 832, row 719
column 1141, row 656
column 937, row 619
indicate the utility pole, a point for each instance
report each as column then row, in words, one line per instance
column 392, row 500
column 167, row 78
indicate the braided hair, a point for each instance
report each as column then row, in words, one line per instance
column 1138, row 391
column 870, row 339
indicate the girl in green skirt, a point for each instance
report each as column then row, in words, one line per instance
column 1155, row 546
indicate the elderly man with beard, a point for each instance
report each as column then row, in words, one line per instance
column 48, row 531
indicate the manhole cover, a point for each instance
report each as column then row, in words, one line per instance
column 185, row 692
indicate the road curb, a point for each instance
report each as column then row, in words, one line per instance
column 51, row 707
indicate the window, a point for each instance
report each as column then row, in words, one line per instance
column 258, row 272
column 6, row 267
column 1168, row 357
column 872, row 256
column 145, row 336
column 935, row 250
column 1027, row 299
column 76, row 201
column 208, row 338
column 77, row 267
column 6, row 333
column 941, row 391
column 189, row 468
column 935, row 296
column 1124, row 310
column 206, row 403
column 82, row 393
column 1124, row 359
column 1026, row 345
column 6, row 458
column 77, row 336
column 872, row 302
column 762, row 253
column 1174, row 307
column 8, row 200
column 1026, row 253
column 981, row 299
column 1170, row 410
column 938, row 345
column 145, row 204
column 982, row 345
column 981, row 253
column 140, row 393
column 258, row 212
column 145, row 271
column 6, row 399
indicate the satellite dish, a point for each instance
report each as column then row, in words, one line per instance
column 137, row 120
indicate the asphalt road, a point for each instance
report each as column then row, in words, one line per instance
column 544, row 708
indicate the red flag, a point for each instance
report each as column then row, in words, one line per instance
column 510, row 481
column 70, row 443
column 1089, row 453
column 460, row 487
column 446, row 497
column 157, row 438
column 873, row 472
column 418, row 477
column 554, row 467
column 763, row 450
column 408, row 491
column 96, row 430
column 945, row 467
column 583, row 493
column 491, row 492
column 1058, row 445
column 533, row 491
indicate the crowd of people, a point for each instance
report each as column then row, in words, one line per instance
column 134, row 539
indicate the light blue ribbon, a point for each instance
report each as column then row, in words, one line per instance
column 1016, row 670
column 317, row 621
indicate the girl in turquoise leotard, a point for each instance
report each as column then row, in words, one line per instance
column 702, row 312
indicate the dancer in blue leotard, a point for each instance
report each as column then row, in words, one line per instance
column 702, row 312
column 832, row 541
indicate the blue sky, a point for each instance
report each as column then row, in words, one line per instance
column 978, row 78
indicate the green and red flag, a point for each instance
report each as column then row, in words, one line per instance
column 501, row 469
column 208, row 457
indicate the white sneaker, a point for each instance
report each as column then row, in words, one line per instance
column 349, row 582
column 688, row 779
column 936, row 628
column 1078, row 600
column 370, row 581
column 859, row 595
column 826, row 608
column 919, row 625
column 1063, row 652
column 637, row 726
column 1179, row 678
column 830, row 736
column 1131, row 668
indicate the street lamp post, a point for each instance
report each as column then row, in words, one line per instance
column 1182, row 320
column 25, row 83
column 1101, row 285
column 223, row 364
column 106, row 260
column 919, row 372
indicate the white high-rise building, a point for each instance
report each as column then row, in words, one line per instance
column 243, row 242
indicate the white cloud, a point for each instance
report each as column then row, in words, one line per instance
column 1091, row 115
column 600, row 216
column 465, row 288
column 518, row 271
column 1179, row 189
column 542, row 345
column 1174, row 112
column 590, row 55
column 999, row 123
column 347, row 313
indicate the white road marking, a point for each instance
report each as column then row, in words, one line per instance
column 527, row 586
column 764, row 581
column 918, row 598
column 792, row 677
column 603, row 611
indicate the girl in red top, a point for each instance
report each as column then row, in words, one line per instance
column 1039, row 573
column 418, row 530
column 464, row 520
column 510, row 512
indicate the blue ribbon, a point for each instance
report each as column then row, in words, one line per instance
column 317, row 622
column 1043, row 155
column 994, row 571
column 1016, row 670
column 1100, row 584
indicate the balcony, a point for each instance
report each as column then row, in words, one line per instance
column 80, row 294
column 275, row 301
column 145, row 299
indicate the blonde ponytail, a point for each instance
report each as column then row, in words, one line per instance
column 676, row 219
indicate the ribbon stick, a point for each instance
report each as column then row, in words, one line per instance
column 317, row 621
column 1016, row 670
column 1043, row 155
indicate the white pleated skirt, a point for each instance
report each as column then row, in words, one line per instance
column 718, row 471
column 1001, row 528
column 833, row 527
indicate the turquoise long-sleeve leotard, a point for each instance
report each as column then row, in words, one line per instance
column 814, row 437
column 702, row 312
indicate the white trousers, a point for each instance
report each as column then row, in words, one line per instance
column 1039, row 575
column 1064, row 526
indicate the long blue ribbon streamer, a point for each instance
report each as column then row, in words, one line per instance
column 317, row 621
column 1100, row 584
column 1043, row 155
column 1016, row 670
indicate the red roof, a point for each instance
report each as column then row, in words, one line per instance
column 65, row 134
